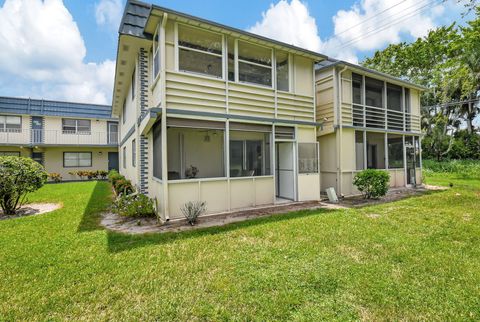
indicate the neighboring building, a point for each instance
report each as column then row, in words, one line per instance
column 64, row 137
column 196, row 95
column 370, row 120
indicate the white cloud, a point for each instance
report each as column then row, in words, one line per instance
column 367, row 25
column 290, row 23
column 109, row 12
column 43, row 55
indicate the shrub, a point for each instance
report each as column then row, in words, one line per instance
column 123, row 186
column 134, row 205
column 102, row 174
column 372, row 183
column 193, row 209
column 55, row 177
column 113, row 176
column 18, row 177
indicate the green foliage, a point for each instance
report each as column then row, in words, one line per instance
column 447, row 62
column 134, row 205
column 55, row 177
column 372, row 183
column 460, row 168
column 102, row 174
column 193, row 209
column 123, row 186
column 113, row 176
column 18, row 177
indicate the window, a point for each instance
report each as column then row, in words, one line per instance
column 157, row 150
column 38, row 157
column 124, row 157
column 395, row 151
column 282, row 71
column 394, row 97
column 77, row 159
column 373, row 92
column 375, row 150
column 307, row 157
column 359, row 150
column 199, row 51
column 124, row 111
column 250, row 154
column 134, row 80
column 9, row 154
column 73, row 126
column 156, row 53
column 134, row 152
column 254, row 64
column 195, row 152
column 10, row 123
column 231, row 58
column 357, row 89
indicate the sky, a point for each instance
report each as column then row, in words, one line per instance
column 66, row 50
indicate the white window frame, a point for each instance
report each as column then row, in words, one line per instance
column 76, row 131
column 3, row 126
column 178, row 47
column 78, row 159
column 238, row 60
column 155, row 52
column 134, row 153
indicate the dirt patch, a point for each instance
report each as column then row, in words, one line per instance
column 32, row 209
column 148, row 225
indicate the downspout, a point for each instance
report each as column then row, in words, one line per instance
column 340, row 134
column 164, row 119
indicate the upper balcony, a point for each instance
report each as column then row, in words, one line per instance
column 57, row 137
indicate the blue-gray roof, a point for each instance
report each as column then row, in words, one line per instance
column 134, row 19
column 15, row 105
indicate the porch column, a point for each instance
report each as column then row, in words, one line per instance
column 404, row 160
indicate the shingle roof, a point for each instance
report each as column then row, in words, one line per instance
column 134, row 19
column 15, row 105
column 136, row 15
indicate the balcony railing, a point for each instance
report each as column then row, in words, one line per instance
column 57, row 137
column 375, row 117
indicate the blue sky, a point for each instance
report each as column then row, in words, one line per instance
column 66, row 50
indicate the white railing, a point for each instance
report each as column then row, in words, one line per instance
column 376, row 117
column 57, row 137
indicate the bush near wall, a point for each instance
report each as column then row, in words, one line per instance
column 128, row 203
column 372, row 183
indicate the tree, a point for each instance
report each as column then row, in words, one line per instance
column 18, row 177
column 447, row 62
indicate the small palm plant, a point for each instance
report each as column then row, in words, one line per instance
column 193, row 209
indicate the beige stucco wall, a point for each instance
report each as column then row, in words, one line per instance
column 53, row 132
column 24, row 152
column 130, row 171
column 308, row 184
column 53, row 158
column 22, row 137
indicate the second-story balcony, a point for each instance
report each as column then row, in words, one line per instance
column 57, row 137
column 381, row 118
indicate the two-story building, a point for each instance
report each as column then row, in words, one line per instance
column 213, row 113
column 64, row 137
column 371, row 120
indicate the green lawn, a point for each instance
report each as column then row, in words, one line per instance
column 413, row 259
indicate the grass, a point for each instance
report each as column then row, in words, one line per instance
column 415, row 259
